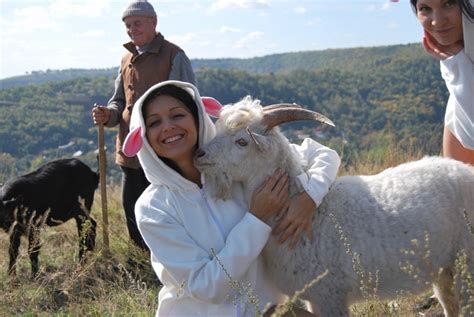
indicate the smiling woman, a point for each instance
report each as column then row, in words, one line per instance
column 207, row 251
column 171, row 121
column 441, row 20
column 448, row 37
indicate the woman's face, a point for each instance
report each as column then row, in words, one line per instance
column 171, row 129
column 441, row 19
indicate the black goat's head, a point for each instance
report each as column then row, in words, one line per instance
column 7, row 209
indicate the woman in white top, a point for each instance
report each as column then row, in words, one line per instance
column 449, row 37
column 198, row 244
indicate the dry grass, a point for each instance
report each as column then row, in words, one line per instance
column 101, row 287
column 369, row 163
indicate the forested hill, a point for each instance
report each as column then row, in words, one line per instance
column 378, row 97
column 348, row 59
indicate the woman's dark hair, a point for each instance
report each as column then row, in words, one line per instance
column 465, row 5
column 413, row 5
column 467, row 8
column 183, row 96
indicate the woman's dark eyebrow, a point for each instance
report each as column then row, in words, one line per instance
column 174, row 108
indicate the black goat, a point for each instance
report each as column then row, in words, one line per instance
column 52, row 194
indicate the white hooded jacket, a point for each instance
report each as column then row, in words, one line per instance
column 199, row 244
column 458, row 73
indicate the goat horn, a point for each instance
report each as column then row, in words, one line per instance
column 281, row 105
column 278, row 116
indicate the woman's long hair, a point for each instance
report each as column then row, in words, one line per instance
column 466, row 6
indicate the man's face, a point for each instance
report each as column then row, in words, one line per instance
column 141, row 30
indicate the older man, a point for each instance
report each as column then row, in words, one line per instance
column 149, row 59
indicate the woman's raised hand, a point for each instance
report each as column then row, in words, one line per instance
column 438, row 51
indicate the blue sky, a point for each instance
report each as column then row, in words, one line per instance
column 60, row 34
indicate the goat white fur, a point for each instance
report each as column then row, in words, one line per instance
column 364, row 223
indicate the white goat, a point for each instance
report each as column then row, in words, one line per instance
column 393, row 233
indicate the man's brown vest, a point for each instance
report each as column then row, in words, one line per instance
column 140, row 72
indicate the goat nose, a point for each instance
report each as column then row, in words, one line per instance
column 200, row 153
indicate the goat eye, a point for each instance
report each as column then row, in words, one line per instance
column 241, row 142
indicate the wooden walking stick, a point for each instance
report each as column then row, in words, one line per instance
column 103, row 188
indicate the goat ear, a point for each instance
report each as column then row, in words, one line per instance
column 9, row 203
column 212, row 106
column 259, row 140
column 133, row 142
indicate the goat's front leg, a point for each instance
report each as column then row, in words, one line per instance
column 15, row 240
column 34, row 246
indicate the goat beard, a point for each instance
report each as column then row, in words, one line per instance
column 220, row 185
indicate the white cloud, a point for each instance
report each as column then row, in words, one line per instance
column 251, row 40
column 300, row 10
column 384, row 7
column 188, row 39
column 220, row 5
column 91, row 34
column 32, row 18
column 314, row 22
column 228, row 29
column 51, row 16
column 79, row 8
column 393, row 25
column 371, row 8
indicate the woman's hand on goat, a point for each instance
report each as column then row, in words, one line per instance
column 271, row 197
column 297, row 220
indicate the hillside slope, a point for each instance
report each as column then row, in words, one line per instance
column 349, row 59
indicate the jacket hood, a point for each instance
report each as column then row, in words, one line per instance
column 156, row 171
